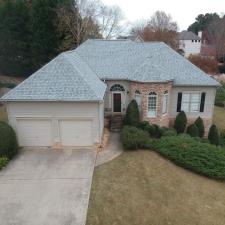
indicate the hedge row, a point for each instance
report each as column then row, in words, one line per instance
column 203, row 158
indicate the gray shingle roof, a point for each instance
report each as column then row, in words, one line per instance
column 143, row 62
column 74, row 75
column 188, row 35
column 65, row 78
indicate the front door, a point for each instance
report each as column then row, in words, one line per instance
column 116, row 102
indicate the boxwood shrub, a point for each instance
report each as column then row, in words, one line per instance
column 8, row 141
column 203, row 158
column 134, row 138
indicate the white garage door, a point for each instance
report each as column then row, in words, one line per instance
column 76, row 132
column 35, row 132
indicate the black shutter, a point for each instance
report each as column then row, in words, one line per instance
column 179, row 100
column 202, row 102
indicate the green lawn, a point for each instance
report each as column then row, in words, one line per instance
column 219, row 117
column 3, row 115
column 142, row 188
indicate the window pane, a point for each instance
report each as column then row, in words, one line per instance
column 185, row 107
column 151, row 113
column 152, row 105
column 165, row 103
column 138, row 100
column 186, row 97
column 194, row 107
column 195, row 97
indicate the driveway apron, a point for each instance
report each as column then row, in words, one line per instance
column 47, row 187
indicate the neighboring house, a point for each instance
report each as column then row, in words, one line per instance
column 64, row 103
column 190, row 43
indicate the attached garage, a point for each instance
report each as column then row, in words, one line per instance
column 76, row 132
column 47, row 124
column 60, row 105
column 35, row 132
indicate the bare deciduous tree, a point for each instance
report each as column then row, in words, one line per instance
column 160, row 27
column 109, row 20
column 77, row 23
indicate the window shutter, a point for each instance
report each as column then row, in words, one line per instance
column 202, row 104
column 179, row 100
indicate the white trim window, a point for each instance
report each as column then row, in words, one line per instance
column 137, row 97
column 191, row 102
column 165, row 102
column 152, row 104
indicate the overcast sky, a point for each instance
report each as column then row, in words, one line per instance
column 183, row 12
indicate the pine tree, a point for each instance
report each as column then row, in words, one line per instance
column 14, row 38
column 45, row 38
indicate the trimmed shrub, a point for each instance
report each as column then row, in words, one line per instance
column 151, row 130
column 132, row 117
column 213, row 135
column 144, row 125
column 158, row 131
column 134, row 138
column 8, row 141
column 169, row 133
column 3, row 162
column 192, row 130
column 200, row 125
column 184, row 135
column 180, row 122
column 203, row 158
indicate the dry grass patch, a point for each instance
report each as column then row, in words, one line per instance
column 142, row 188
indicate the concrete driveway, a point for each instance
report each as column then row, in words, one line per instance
column 46, row 187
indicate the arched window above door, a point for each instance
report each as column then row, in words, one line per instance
column 117, row 87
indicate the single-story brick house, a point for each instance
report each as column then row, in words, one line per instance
column 64, row 103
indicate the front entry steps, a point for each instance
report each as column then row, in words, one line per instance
column 116, row 122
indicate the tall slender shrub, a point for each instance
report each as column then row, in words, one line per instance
column 200, row 125
column 132, row 117
column 213, row 135
column 180, row 122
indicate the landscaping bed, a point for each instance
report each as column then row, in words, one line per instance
column 203, row 158
column 184, row 144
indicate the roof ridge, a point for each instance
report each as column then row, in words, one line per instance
column 65, row 54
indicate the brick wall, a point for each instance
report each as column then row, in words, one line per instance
column 145, row 89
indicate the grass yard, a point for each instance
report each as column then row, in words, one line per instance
column 140, row 187
column 3, row 115
column 219, row 117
